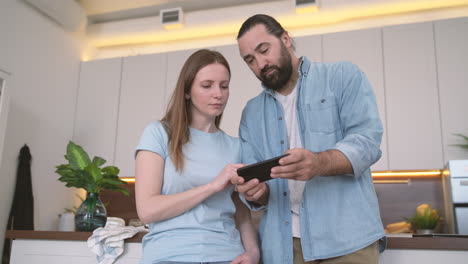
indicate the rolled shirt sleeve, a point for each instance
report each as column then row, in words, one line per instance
column 360, row 121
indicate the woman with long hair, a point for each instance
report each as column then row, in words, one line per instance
column 184, row 164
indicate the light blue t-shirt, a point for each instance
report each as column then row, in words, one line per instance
column 207, row 232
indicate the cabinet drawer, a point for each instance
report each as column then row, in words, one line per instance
column 459, row 190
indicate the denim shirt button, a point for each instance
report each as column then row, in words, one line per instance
column 282, row 141
column 287, row 223
column 280, row 118
column 285, row 193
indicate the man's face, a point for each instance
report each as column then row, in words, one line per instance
column 267, row 57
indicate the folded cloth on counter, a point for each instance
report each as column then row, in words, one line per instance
column 108, row 243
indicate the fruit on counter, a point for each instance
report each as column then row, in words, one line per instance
column 398, row 227
column 425, row 217
column 422, row 209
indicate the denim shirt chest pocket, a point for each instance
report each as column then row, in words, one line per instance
column 321, row 115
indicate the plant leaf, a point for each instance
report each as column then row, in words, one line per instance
column 95, row 172
column 110, row 171
column 77, row 157
column 465, row 146
column 98, row 161
column 82, row 173
column 465, row 138
column 462, row 136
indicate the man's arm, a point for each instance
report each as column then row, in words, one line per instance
column 303, row 164
column 254, row 194
column 362, row 133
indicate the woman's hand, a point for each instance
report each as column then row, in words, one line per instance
column 248, row 257
column 223, row 180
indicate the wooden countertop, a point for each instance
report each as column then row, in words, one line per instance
column 434, row 243
column 59, row 235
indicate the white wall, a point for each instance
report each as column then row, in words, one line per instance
column 44, row 64
column 415, row 70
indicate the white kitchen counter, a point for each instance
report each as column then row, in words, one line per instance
column 45, row 247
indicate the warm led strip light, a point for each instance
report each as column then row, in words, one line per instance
column 382, row 176
column 128, row 179
column 391, row 181
column 407, row 174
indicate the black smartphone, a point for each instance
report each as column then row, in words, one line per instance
column 260, row 170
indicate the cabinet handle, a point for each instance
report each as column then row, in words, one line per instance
column 463, row 183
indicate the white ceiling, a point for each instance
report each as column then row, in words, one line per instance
column 100, row 11
column 114, row 28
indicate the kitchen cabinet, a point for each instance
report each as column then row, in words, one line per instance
column 310, row 46
column 141, row 102
column 411, row 97
column 451, row 39
column 175, row 61
column 63, row 251
column 4, row 107
column 405, row 256
column 97, row 107
column 363, row 48
column 417, row 72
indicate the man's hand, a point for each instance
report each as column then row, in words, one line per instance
column 301, row 164
column 252, row 190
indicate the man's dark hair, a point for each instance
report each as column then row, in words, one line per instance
column 272, row 26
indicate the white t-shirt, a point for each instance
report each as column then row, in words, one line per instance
column 296, row 188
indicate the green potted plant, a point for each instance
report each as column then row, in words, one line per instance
column 425, row 220
column 81, row 172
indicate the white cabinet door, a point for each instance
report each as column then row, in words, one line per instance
column 175, row 61
column 243, row 87
column 410, row 256
column 452, row 66
column 311, row 47
column 141, row 102
column 4, row 107
column 70, row 252
column 413, row 118
column 97, row 107
column 363, row 48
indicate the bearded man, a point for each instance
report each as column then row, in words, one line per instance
column 321, row 206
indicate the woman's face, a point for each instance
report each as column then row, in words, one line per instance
column 210, row 91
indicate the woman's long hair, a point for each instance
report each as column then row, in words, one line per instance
column 178, row 115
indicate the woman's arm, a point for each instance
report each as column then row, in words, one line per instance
column 247, row 232
column 152, row 206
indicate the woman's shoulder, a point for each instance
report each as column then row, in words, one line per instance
column 232, row 140
column 156, row 126
column 229, row 137
column 155, row 131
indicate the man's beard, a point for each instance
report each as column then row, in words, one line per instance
column 282, row 73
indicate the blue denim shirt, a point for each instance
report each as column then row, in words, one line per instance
column 336, row 109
